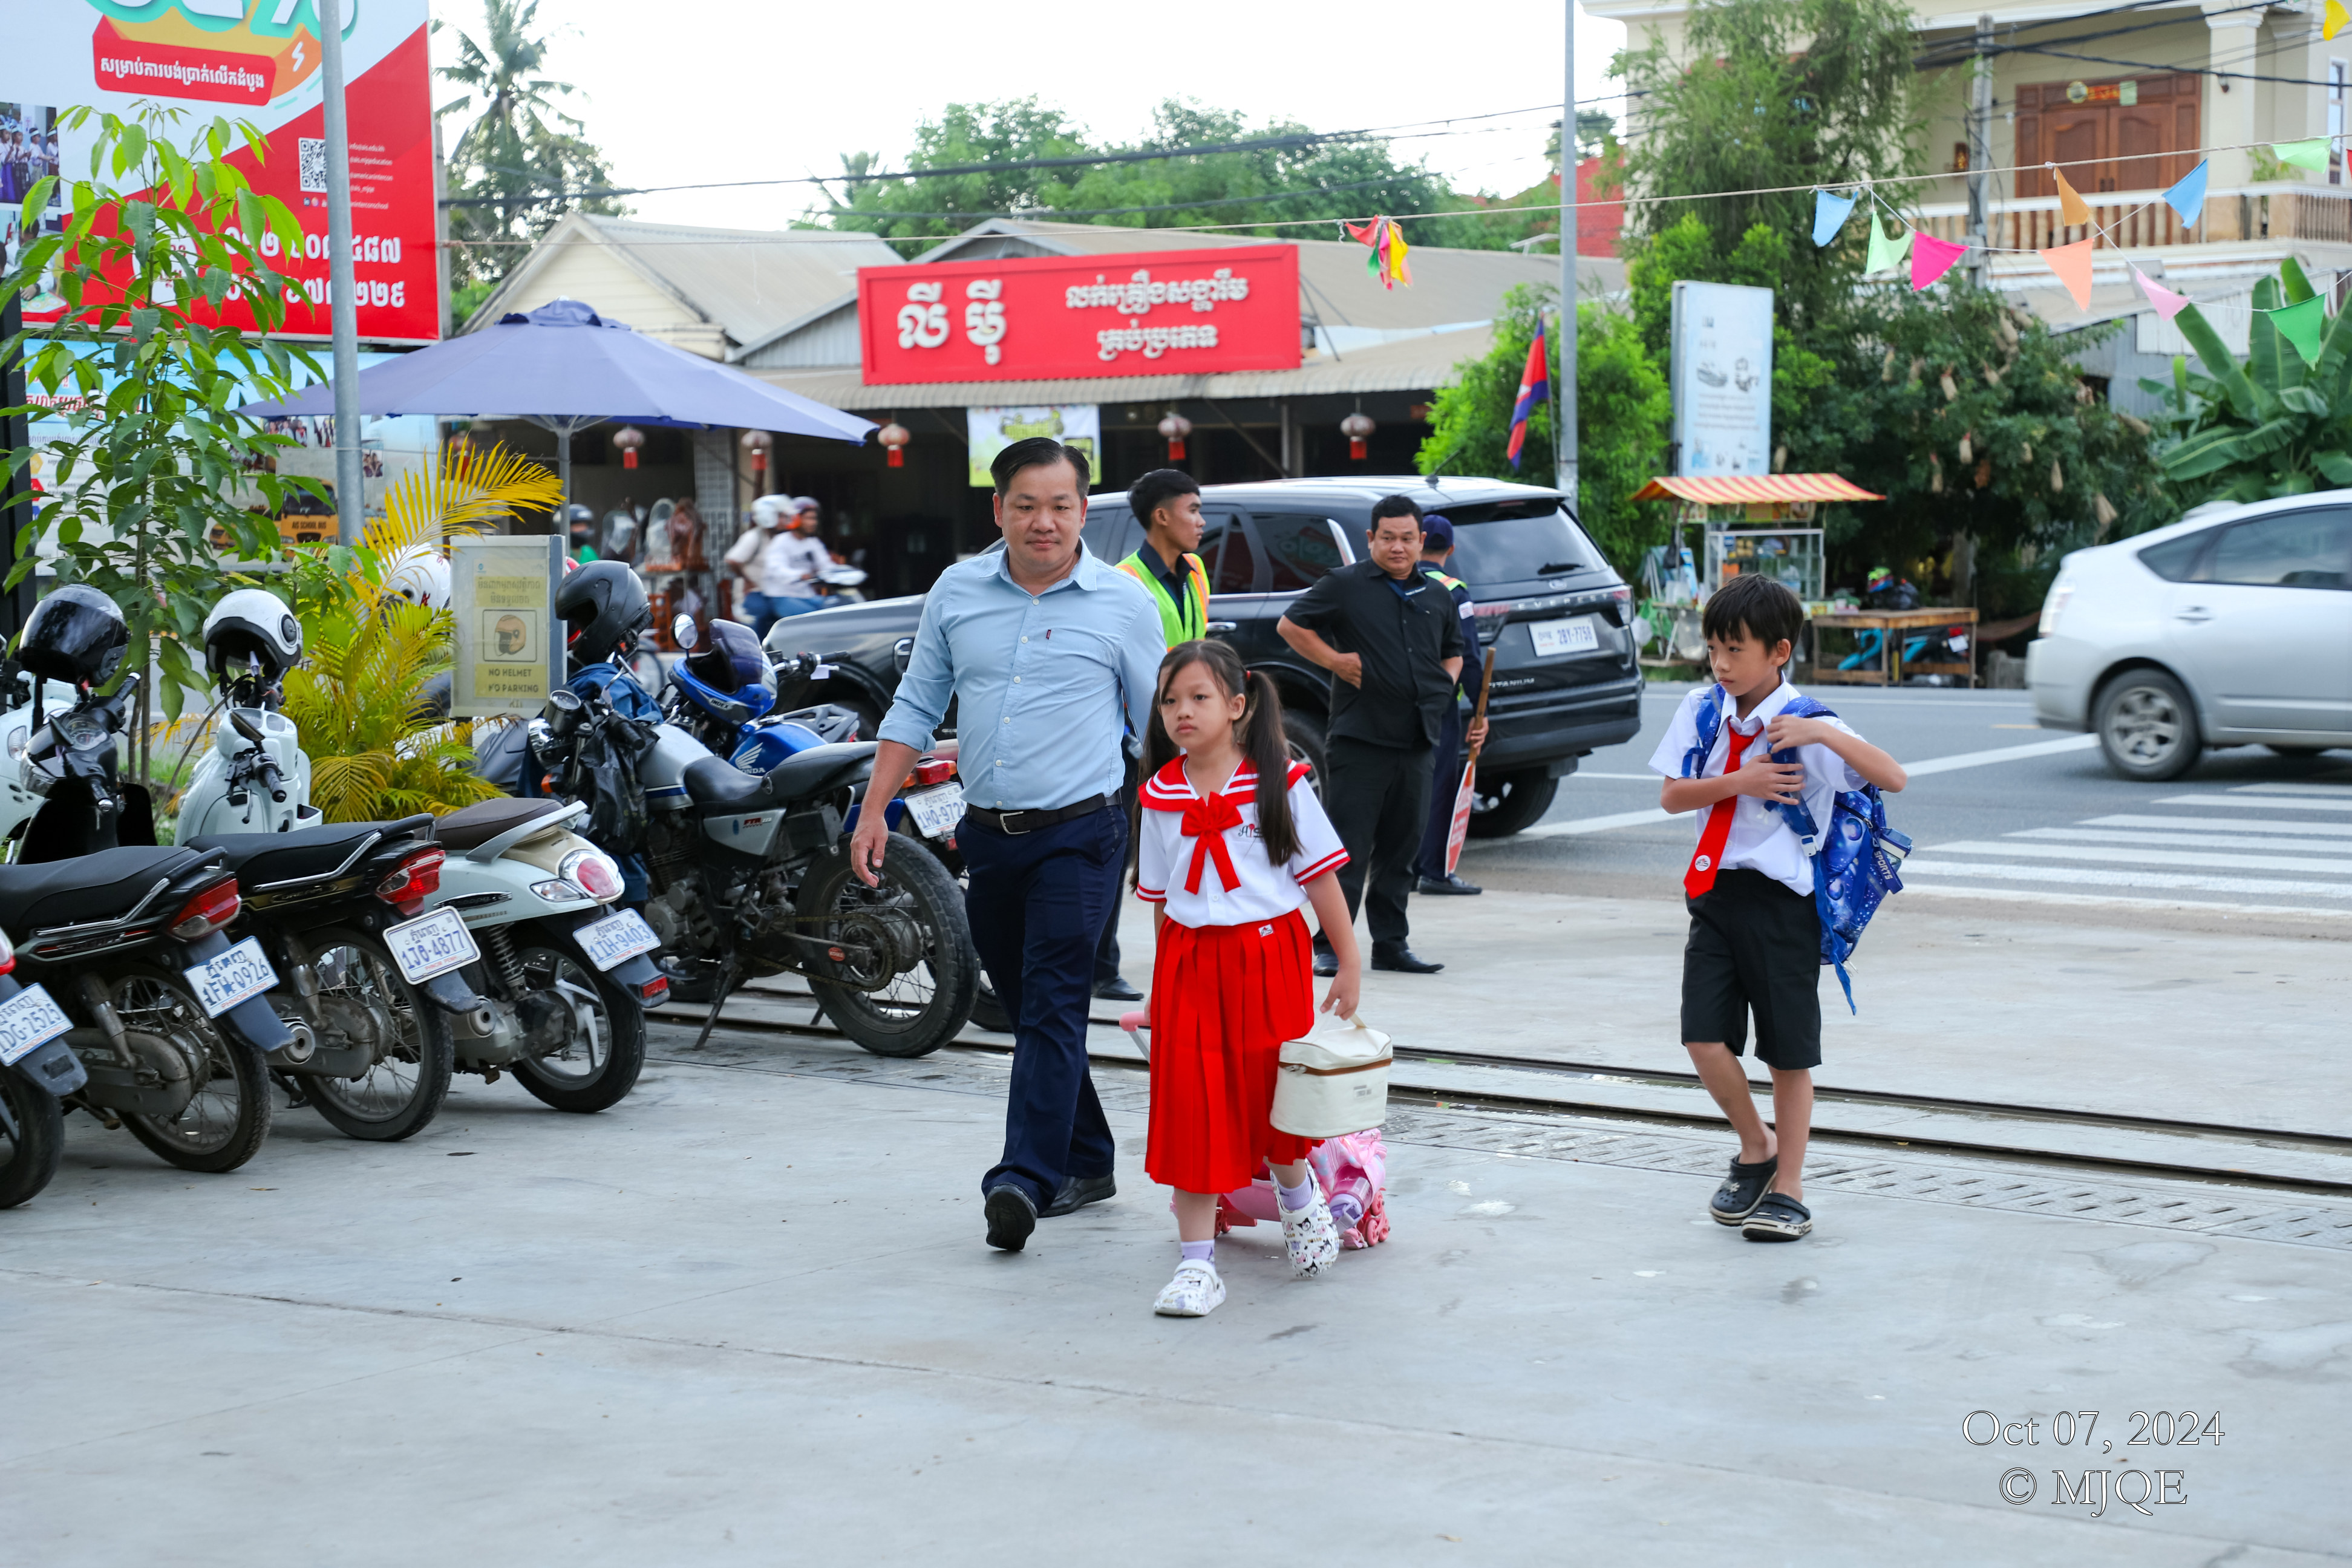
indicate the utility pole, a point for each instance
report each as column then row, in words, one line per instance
column 1980, row 159
column 342, row 293
column 1563, row 395
column 16, row 440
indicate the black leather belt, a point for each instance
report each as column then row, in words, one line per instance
column 1019, row 822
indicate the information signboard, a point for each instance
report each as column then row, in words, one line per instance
column 1721, row 374
column 509, row 644
column 246, row 59
column 988, row 431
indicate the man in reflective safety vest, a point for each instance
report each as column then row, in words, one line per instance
column 1167, row 502
column 1436, row 546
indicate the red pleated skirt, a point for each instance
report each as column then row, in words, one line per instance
column 1223, row 999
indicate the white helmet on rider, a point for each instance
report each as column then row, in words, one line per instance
column 251, row 633
column 420, row 575
column 771, row 512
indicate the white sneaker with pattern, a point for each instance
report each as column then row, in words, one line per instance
column 1313, row 1239
column 1195, row 1292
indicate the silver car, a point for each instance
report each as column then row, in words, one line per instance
column 2230, row 627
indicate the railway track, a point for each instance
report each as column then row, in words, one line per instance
column 2216, row 1141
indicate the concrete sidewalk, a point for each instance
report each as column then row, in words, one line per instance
column 746, row 1317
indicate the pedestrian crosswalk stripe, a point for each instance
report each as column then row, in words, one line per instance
column 2260, row 803
column 2091, row 876
column 2149, row 857
column 2124, row 901
column 2224, row 825
column 2185, row 840
column 2341, row 791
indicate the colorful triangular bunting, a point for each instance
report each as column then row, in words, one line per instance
column 1830, row 211
column 2072, row 264
column 2188, row 196
column 1931, row 259
column 2303, row 323
column 2311, row 154
column 1885, row 252
column 2168, row 303
column 2073, row 210
column 2332, row 20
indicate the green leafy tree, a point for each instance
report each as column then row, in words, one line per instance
column 2271, row 426
column 1335, row 179
column 1621, row 409
column 516, row 163
column 154, row 459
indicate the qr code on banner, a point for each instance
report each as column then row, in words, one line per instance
column 313, row 151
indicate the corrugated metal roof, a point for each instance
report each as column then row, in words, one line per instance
column 1410, row 364
column 748, row 282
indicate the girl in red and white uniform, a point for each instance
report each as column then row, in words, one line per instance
column 1230, row 842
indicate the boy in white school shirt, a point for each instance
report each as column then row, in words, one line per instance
column 1755, row 937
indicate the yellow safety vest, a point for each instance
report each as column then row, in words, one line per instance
column 1187, row 622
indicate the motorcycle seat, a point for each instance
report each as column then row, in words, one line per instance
column 260, row 859
column 105, row 886
column 470, row 827
column 718, row 788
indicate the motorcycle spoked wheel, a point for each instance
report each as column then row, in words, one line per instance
column 402, row 1091
column 921, row 1008
column 29, row 1159
column 595, row 1068
column 224, row 1124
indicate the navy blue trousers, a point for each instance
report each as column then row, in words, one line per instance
column 1037, row 903
column 1444, row 784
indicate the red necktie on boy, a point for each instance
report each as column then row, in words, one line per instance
column 1718, row 832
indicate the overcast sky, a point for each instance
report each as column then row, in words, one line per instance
column 734, row 89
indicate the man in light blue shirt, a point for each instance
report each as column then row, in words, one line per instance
column 1052, row 656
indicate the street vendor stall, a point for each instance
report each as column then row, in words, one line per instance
column 1748, row 523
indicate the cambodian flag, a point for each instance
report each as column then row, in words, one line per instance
column 1535, row 386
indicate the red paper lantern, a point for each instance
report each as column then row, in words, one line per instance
column 628, row 438
column 1358, row 429
column 895, row 437
column 1174, row 428
column 757, row 443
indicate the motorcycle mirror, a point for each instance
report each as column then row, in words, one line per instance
column 245, row 727
column 684, row 632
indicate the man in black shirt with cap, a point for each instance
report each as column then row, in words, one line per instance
column 1391, row 636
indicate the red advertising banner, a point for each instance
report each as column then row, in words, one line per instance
column 1161, row 312
column 258, row 60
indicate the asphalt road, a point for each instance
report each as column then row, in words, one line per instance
column 2245, row 834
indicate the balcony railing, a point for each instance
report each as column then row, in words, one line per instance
column 2137, row 219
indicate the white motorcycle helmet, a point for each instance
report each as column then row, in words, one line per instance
column 420, row 575
column 251, row 635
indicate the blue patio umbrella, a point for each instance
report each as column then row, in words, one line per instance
column 565, row 368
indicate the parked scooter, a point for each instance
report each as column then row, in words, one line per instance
column 748, row 875
column 37, row 1070
column 178, row 1037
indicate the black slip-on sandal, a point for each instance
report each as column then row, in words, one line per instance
column 1779, row 1217
column 1742, row 1191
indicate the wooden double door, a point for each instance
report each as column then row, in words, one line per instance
column 2103, row 144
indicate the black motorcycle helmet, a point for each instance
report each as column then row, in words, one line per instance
column 579, row 523
column 603, row 608
column 76, row 634
column 731, row 659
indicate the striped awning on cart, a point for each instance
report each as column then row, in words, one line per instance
column 1735, row 489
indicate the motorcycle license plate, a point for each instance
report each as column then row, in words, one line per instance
column 28, row 1020
column 621, row 935
column 430, row 945
column 238, row 976
column 936, row 810
column 1573, row 635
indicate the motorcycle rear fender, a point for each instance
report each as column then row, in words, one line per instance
column 253, row 1021
column 633, row 975
column 451, row 995
column 55, row 1068
column 498, row 893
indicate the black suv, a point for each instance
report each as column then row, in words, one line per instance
column 1555, row 612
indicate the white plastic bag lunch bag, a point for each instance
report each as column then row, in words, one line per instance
column 1335, row 1080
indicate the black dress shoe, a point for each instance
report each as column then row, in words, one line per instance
column 1326, row 962
column 1117, row 989
column 1011, row 1218
column 1401, row 959
column 1076, row 1192
column 1449, row 883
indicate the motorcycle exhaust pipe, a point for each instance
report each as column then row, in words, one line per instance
column 296, row 1051
column 480, row 1024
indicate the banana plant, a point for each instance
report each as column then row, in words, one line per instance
column 2272, row 426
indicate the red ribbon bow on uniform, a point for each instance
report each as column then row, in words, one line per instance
column 1205, row 822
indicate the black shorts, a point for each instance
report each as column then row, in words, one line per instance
column 1754, row 945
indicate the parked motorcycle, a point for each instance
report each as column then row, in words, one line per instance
column 748, row 874
column 37, row 1070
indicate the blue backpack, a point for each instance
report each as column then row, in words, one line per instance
column 1856, row 866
